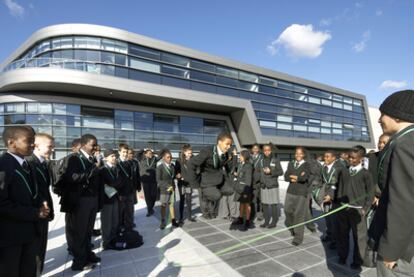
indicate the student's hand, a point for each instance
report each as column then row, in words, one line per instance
column 327, row 199
column 389, row 264
column 293, row 178
column 376, row 201
column 44, row 210
column 266, row 170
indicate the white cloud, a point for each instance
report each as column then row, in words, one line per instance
column 300, row 41
column 325, row 22
column 361, row 45
column 15, row 9
column 390, row 84
column 379, row 13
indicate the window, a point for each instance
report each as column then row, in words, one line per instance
column 201, row 76
column 337, row 105
column 226, row 81
column 326, row 102
column 175, row 59
column 283, row 126
column 248, row 77
column 325, row 130
column 267, row 81
column 144, row 52
column 337, row 125
column 267, row 123
column 176, row 71
column 357, row 102
column 144, row 65
column 202, row 66
column 228, row 72
column 326, row 124
column 337, row 131
column 337, row 97
column 284, row 118
column 314, row 122
column 43, row 46
column 88, row 42
column 107, row 57
column 121, row 72
column 248, row 86
column 284, row 85
column 314, row 100
column 347, row 107
column 314, row 129
column 300, row 128
column 108, row 69
column 166, row 123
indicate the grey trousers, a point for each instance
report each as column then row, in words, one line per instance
column 109, row 222
column 296, row 207
column 228, row 207
column 403, row 268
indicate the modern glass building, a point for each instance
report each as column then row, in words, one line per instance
column 72, row 79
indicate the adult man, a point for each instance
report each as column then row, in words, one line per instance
column 21, row 205
column 43, row 147
column 393, row 224
column 80, row 202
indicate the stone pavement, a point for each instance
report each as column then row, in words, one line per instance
column 189, row 251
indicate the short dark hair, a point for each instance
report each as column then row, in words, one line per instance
column 330, row 151
column 245, row 154
column 224, row 135
column 87, row 138
column 271, row 145
column 359, row 149
column 76, row 142
column 255, row 145
column 164, row 152
column 12, row 132
column 123, row 146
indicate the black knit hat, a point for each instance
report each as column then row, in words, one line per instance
column 400, row 105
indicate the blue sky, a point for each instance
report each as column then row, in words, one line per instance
column 362, row 46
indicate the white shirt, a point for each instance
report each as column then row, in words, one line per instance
column 355, row 168
column 329, row 166
column 219, row 152
column 18, row 159
column 84, row 153
column 300, row 163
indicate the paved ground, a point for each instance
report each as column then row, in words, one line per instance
column 189, row 251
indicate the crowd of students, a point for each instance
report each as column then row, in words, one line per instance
column 243, row 187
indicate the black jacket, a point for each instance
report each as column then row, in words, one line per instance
column 43, row 178
column 301, row 187
column 147, row 169
column 129, row 178
column 393, row 223
column 213, row 169
column 81, row 179
column 256, row 162
column 331, row 179
column 136, row 172
column 270, row 180
column 19, row 203
column 165, row 177
column 244, row 179
column 110, row 177
column 373, row 170
column 181, row 167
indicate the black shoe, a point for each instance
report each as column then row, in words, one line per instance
column 94, row 259
column 264, row 225
column 181, row 223
column 82, row 267
column 356, row 266
column 237, row 221
column 174, row 223
column 96, row 233
column 271, row 225
column 342, row 261
column 295, row 243
column 243, row 228
column 250, row 224
column 163, row 224
column 148, row 214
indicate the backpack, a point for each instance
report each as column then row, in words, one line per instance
column 126, row 239
column 59, row 168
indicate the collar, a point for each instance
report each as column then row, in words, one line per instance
column 329, row 166
column 167, row 165
column 398, row 133
column 356, row 168
column 219, row 152
column 123, row 160
column 40, row 158
column 300, row 163
column 18, row 159
column 109, row 165
column 85, row 154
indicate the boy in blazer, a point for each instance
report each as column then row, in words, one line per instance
column 21, row 205
column 147, row 167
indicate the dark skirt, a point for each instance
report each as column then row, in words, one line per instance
column 245, row 197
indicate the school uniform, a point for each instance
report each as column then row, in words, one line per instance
column 296, row 202
column 147, row 170
column 269, row 189
column 43, row 179
column 126, row 193
column 243, row 184
column 110, row 210
column 357, row 189
column 256, row 204
column 373, row 160
column 165, row 174
column 80, row 201
column 184, row 187
column 213, row 167
column 136, row 173
column 20, row 201
column 393, row 225
column 228, row 207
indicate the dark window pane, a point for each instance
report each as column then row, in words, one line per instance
column 142, row 116
column 228, row 91
column 73, row 109
column 175, row 59
column 171, row 70
column 59, row 120
column 14, row 119
column 203, row 66
column 175, row 82
column 144, row 52
column 144, row 76
column 201, row 76
column 108, row 69
column 226, row 81
column 107, row 57
column 203, row 87
column 120, row 59
column 121, row 72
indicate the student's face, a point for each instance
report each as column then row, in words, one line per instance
column 388, row 124
column 267, row 151
column 111, row 159
column 123, row 153
column 242, row 159
column 148, row 154
column 225, row 144
column 299, row 155
column 22, row 145
column 44, row 146
column 188, row 154
column 90, row 146
column 167, row 158
column 354, row 159
column 130, row 155
column 76, row 148
column 329, row 158
column 255, row 150
column 383, row 140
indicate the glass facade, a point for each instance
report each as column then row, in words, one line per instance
column 282, row 108
column 138, row 129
